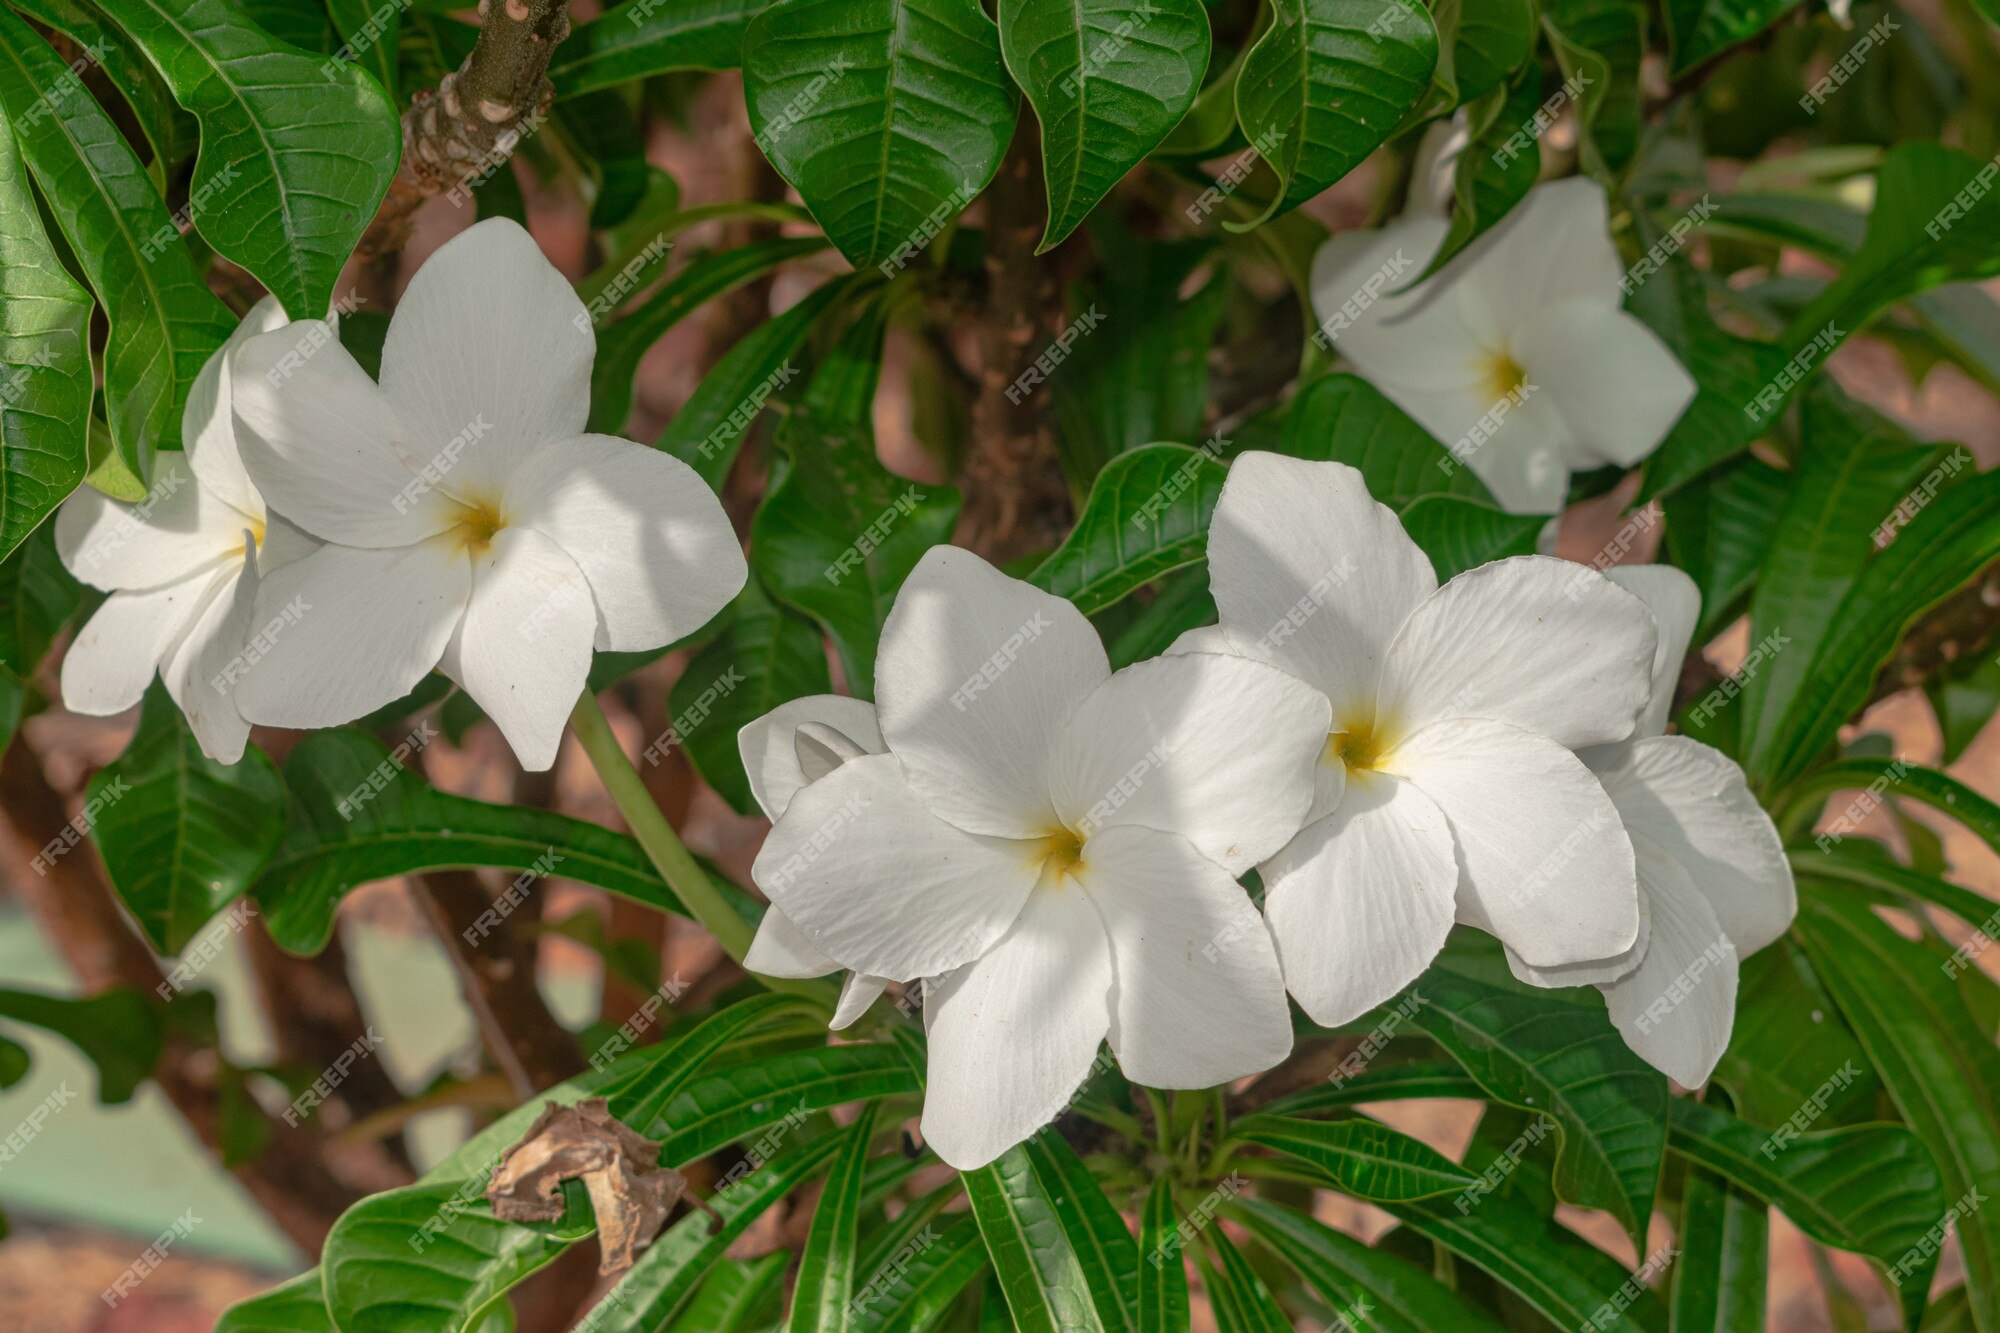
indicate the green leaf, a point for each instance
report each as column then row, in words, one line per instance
column 1105, row 1249
column 181, row 834
column 1147, row 515
column 735, row 1296
column 1720, row 1278
column 356, row 815
column 1556, row 1053
column 1379, row 1083
column 887, row 116
column 1242, row 1303
column 370, row 34
column 1040, row 1273
column 1494, row 172
column 1699, row 29
column 838, row 533
column 171, row 131
column 823, row 1298
column 296, row 150
column 1599, row 44
column 1359, row 1157
column 1163, row 1284
column 1940, row 791
column 709, row 431
column 1775, row 1063
column 717, row 1109
column 764, row 656
column 1878, row 872
column 45, row 372
column 298, row 1306
column 640, row 1096
column 659, row 1283
column 1871, row 1189
column 1481, row 44
column 164, row 322
column 1327, row 84
column 431, row 1256
column 1566, row 1279
column 1718, row 533
column 927, row 1283
column 1949, row 541
column 1398, row 1296
column 117, row 1030
column 1346, row 419
column 1108, row 81
column 641, row 38
column 1458, row 534
column 37, row 599
column 620, row 346
column 1941, row 1069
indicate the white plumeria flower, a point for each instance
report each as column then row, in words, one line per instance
column 1057, row 846
column 794, row 744
column 1447, row 789
column 1518, row 356
column 182, row 567
column 474, row 526
column 1714, row 883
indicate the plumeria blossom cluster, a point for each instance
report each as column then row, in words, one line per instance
column 326, row 541
column 1052, row 848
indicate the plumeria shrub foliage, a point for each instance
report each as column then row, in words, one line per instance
column 1300, row 583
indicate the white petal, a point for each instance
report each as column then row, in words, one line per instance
column 1597, row 972
column 650, row 535
column 860, row 991
column 178, row 530
column 1361, row 901
column 1309, row 572
column 523, row 649
column 111, row 662
column 1199, row 999
column 1543, row 861
column 977, row 676
column 1676, row 606
column 781, row 949
column 1520, row 453
column 770, row 750
column 369, row 625
column 1422, row 337
column 1217, row 749
column 208, row 425
column 1203, row 639
column 282, row 544
column 878, row 882
column 1677, row 1009
column 202, row 669
column 1539, row 643
column 1553, row 250
column 1693, row 801
column 326, row 449
column 1013, row 1035
column 1617, row 386
column 489, row 331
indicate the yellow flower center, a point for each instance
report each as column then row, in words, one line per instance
column 1359, row 745
column 478, row 523
column 1060, row 852
column 1501, row 375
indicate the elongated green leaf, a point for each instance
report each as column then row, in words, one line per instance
column 1879, row 872
column 1872, row 1189
column 1699, row 29
column 171, row 131
column 620, row 346
column 1481, row 43
column 1718, row 533
column 117, row 1030
column 1163, row 1284
column 1108, row 80
column 1567, row 1280
column 1458, row 534
column 1147, row 515
column 45, row 375
column 1360, row 1157
column 823, row 1297
column 298, row 1306
column 709, row 431
column 370, row 33
column 666, row 1272
column 296, row 150
column 1556, row 1053
column 838, row 533
column 1242, row 1303
column 1346, row 419
column 1381, row 1083
column 164, row 322
column 923, row 1280
column 1599, row 44
column 719, row 1108
column 887, row 116
column 1944, row 546
column 181, row 834
column 1775, row 1064
column 1496, row 169
column 1327, row 84
column 1103, row 1246
column 1941, row 1069
column 641, row 38
column 1044, row 1282
column 37, row 599
column 1719, row 1280
column 734, row 1295
column 357, row 815
column 641, row 1096
column 1398, row 1297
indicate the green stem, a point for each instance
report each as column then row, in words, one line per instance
column 663, row 847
